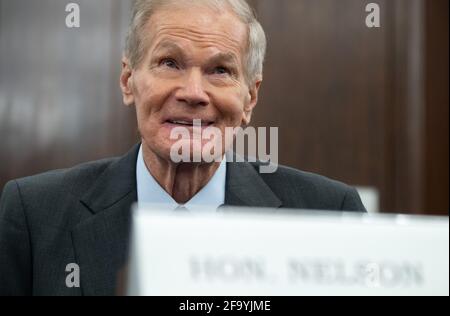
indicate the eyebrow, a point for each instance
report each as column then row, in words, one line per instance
column 228, row 57
column 169, row 46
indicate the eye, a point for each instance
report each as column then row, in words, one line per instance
column 222, row 71
column 169, row 62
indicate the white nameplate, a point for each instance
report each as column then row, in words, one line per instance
column 279, row 254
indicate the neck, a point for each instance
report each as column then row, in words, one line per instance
column 182, row 181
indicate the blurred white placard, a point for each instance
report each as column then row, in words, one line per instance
column 370, row 198
column 276, row 254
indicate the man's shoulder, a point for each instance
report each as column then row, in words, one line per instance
column 288, row 176
column 52, row 198
column 72, row 180
column 295, row 177
column 296, row 187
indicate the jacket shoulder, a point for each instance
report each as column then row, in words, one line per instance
column 51, row 198
column 298, row 188
column 73, row 180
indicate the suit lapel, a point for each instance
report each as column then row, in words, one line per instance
column 245, row 187
column 101, row 241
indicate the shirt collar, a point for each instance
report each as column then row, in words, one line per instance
column 150, row 192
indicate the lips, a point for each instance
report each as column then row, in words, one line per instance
column 190, row 122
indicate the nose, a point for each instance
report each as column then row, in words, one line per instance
column 192, row 91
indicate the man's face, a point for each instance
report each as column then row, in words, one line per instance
column 193, row 70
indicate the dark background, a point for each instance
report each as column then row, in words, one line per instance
column 369, row 107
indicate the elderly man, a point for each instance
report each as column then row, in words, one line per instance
column 184, row 61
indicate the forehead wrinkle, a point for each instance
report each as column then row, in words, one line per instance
column 199, row 36
column 175, row 28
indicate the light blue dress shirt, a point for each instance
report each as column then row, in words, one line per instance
column 209, row 197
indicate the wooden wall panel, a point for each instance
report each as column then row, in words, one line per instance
column 437, row 111
column 365, row 106
column 325, row 86
column 60, row 101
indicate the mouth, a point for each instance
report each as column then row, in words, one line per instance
column 190, row 122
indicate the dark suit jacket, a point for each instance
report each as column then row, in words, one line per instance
column 82, row 215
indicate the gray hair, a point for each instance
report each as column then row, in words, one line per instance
column 256, row 46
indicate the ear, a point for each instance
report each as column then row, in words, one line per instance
column 126, row 77
column 251, row 101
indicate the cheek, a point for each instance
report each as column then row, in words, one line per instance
column 150, row 96
column 231, row 107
